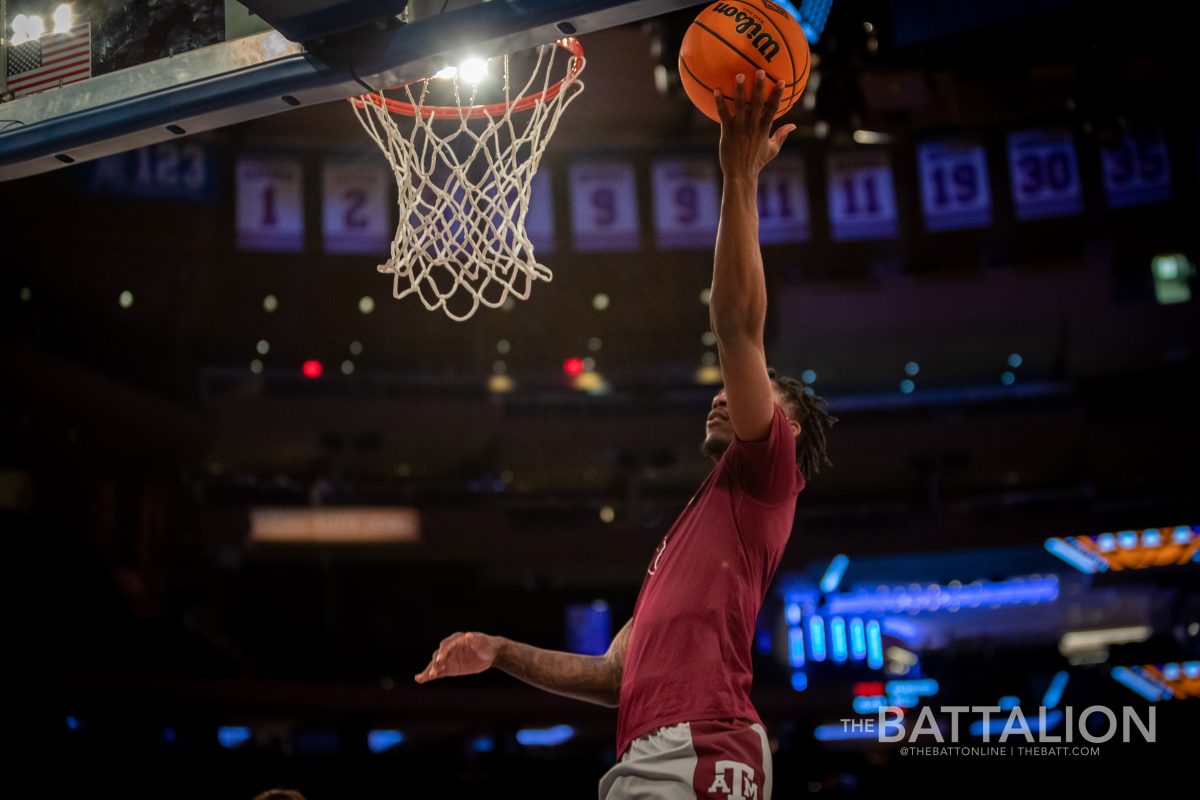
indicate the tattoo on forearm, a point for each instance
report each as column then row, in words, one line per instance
column 594, row 679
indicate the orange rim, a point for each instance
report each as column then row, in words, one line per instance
column 524, row 103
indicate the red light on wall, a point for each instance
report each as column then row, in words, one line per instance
column 868, row 688
column 312, row 369
column 573, row 366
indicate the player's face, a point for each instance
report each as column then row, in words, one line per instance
column 718, row 431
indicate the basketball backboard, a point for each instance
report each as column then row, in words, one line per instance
column 105, row 76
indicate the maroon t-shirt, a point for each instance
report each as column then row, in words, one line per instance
column 688, row 657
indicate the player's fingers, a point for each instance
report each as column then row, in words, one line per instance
column 739, row 103
column 425, row 675
column 772, row 105
column 780, row 136
column 722, row 106
column 759, row 91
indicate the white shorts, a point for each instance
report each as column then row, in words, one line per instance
column 717, row 759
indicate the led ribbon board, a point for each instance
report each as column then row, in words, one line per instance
column 1129, row 549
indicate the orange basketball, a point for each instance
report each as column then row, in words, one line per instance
column 742, row 36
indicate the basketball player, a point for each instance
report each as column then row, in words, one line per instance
column 680, row 670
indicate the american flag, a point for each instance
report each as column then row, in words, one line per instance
column 50, row 61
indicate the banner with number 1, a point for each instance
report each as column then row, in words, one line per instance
column 269, row 210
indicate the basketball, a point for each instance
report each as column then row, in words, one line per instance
column 728, row 38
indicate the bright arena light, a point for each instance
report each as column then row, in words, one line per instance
column 62, row 19
column 20, row 27
column 473, row 70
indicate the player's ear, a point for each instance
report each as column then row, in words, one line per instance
column 796, row 428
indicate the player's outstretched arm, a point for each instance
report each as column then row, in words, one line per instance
column 594, row 679
column 738, row 300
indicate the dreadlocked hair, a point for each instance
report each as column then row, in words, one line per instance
column 811, row 411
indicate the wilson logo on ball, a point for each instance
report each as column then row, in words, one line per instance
column 749, row 26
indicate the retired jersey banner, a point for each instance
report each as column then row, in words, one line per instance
column 1136, row 168
column 783, row 202
column 862, row 200
column 604, row 211
column 686, row 202
column 1044, row 174
column 270, row 213
column 955, row 191
column 539, row 219
column 184, row 170
column 356, row 214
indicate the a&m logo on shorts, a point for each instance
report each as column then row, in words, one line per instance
column 734, row 779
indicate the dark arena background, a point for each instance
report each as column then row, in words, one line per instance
column 244, row 492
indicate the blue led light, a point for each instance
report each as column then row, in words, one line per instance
column 1181, row 535
column 1008, row 378
column 1171, row 671
column 483, row 744
column 816, row 636
column 901, row 628
column 1106, row 542
column 1079, row 559
column 72, row 723
column 1127, row 540
column 812, row 15
column 799, row 681
column 833, row 574
column 1054, row 691
column 996, row 725
column 921, row 687
column 1009, row 702
column 838, row 733
column 231, row 736
column 545, row 737
column 1191, row 669
column 1015, row 360
column 1151, row 537
column 1146, row 688
column 792, row 613
column 837, row 639
column 1017, row 591
column 796, row 647
column 868, row 704
column 907, row 386
column 381, row 740
column 858, row 639
column 912, row 368
column 808, row 376
column 874, row 646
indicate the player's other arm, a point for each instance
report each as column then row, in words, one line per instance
column 738, row 300
column 594, row 679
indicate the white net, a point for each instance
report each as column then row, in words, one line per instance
column 464, row 174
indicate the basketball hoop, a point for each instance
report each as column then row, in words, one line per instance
column 464, row 173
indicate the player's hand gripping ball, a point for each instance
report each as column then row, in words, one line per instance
column 742, row 36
